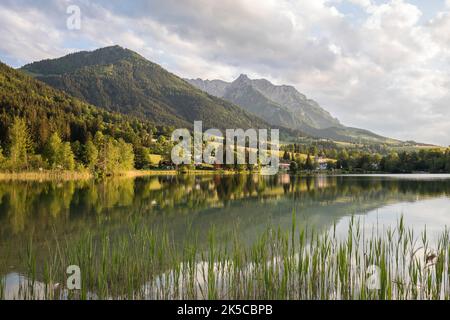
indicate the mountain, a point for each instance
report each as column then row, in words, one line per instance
column 214, row 87
column 47, row 110
column 121, row 80
column 285, row 106
column 282, row 105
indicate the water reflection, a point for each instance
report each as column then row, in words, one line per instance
column 183, row 204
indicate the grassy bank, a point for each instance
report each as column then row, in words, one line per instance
column 49, row 175
column 45, row 176
column 297, row 264
column 143, row 173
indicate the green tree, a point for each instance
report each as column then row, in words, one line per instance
column 113, row 156
column 313, row 150
column 59, row 154
column 447, row 161
column 90, row 155
column 78, row 150
column 293, row 167
column 309, row 165
column 331, row 165
column 126, row 155
column 2, row 159
column 343, row 160
column 68, row 158
column 53, row 151
column 100, row 144
column 142, row 157
column 390, row 163
column 20, row 147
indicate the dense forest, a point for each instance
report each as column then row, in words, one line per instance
column 425, row 160
column 43, row 128
column 120, row 80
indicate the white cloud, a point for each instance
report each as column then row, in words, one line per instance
column 361, row 3
column 27, row 34
column 394, row 15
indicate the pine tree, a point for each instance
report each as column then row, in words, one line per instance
column 126, row 155
column 293, row 167
column 90, row 155
column 68, row 158
column 309, row 164
column 102, row 157
column 2, row 158
column 20, row 145
column 447, row 160
column 53, row 151
column 142, row 157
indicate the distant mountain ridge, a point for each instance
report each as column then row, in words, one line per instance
column 285, row 106
column 281, row 104
column 121, row 80
column 118, row 79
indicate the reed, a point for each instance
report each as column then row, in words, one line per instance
column 2, row 288
column 144, row 263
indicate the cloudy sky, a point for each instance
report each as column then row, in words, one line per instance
column 382, row 65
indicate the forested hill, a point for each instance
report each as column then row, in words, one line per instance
column 121, row 80
column 47, row 110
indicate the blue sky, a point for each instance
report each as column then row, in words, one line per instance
column 379, row 65
column 427, row 7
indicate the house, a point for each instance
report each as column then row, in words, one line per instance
column 284, row 166
column 322, row 163
column 323, row 166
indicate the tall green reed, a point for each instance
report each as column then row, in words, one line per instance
column 300, row 263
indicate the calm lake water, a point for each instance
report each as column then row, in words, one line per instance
column 43, row 212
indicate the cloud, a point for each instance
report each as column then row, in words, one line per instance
column 362, row 3
column 27, row 34
column 387, row 70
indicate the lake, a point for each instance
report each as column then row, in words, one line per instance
column 43, row 213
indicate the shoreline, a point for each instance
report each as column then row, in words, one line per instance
column 49, row 175
column 45, row 176
column 86, row 175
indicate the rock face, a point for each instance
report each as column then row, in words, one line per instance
column 213, row 87
column 279, row 105
column 286, row 107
